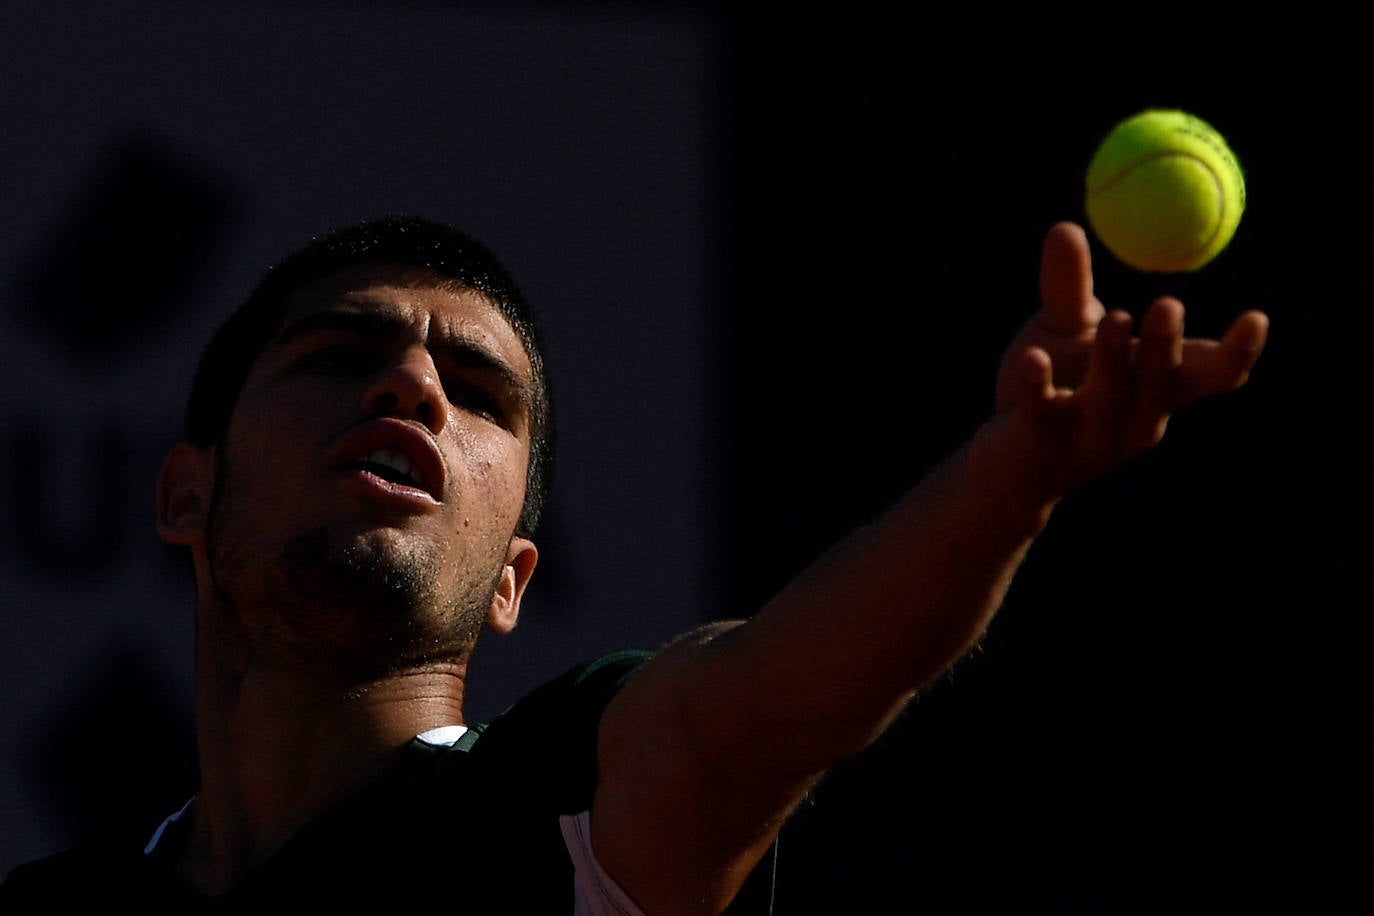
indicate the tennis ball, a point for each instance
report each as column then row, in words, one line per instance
column 1164, row 191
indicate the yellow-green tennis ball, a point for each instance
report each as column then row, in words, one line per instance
column 1164, row 191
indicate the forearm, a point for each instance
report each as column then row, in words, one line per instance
column 835, row 655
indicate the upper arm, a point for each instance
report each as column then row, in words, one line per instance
column 682, row 814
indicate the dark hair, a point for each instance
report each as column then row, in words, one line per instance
column 406, row 242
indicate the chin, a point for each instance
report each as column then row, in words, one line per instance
column 375, row 571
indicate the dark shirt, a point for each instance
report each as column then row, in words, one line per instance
column 471, row 828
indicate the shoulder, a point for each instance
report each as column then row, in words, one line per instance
column 576, row 698
column 545, row 743
column 602, row 675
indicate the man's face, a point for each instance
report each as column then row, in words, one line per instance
column 372, row 475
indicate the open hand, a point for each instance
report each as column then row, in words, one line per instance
column 1078, row 393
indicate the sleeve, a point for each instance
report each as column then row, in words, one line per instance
column 594, row 892
column 558, row 722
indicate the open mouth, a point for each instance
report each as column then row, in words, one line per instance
column 393, row 455
column 393, row 467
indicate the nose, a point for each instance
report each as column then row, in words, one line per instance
column 409, row 388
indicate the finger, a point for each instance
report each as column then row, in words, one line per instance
column 1066, row 281
column 1161, row 343
column 1239, row 350
column 1034, row 380
column 1108, row 386
column 1158, row 358
column 1214, row 367
column 1108, row 391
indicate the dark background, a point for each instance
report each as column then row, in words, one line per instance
column 1168, row 714
column 1169, row 710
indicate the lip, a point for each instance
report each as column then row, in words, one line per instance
column 410, row 440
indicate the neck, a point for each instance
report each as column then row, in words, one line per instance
column 279, row 745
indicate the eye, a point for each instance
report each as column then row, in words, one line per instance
column 340, row 359
column 467, row 394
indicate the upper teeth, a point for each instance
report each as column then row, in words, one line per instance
column 397, row 462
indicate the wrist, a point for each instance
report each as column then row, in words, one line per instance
column 1007, row 482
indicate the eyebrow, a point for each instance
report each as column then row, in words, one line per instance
column 369, row 324
column 378, row 321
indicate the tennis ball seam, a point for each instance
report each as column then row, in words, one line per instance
column 1142, row 153
column 1218, row 223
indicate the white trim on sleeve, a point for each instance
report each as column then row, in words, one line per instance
column 596, row 894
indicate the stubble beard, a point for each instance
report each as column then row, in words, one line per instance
column 366, row 606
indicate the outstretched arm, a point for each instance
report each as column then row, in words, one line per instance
column 707, row 751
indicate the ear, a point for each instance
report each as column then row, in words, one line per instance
column 515, row 575
column 184, row 487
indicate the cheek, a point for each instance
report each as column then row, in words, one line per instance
column 496, row 466
column 245, row 493
column 269, row 457
column 280, row 424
